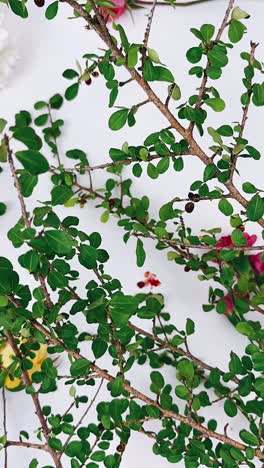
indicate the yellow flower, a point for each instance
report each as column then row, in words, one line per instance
column 6, row 359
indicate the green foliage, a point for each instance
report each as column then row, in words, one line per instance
column 78, row 311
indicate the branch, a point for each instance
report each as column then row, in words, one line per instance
column 101, row 29
column 175, row 349
column 125, row 162
column 16, row 182
column 175, row 243
column 205, row 77
column 31, row 445
column 82, row 418
column 137, row 394
column 147, row 32
column 5, row 425
column 245, row 111
column 176, row 4
column 27, row 382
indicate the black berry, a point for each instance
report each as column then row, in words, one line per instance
column 39, row 3
column 189, row 207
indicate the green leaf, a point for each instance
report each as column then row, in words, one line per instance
column 33, row 161
column 9, row 280
column 60, row 242
column 3, row 123
column 163, row 74
column 258, row 94
column 254, row 153
column 249, row 188
column 194, row 55
column 99, row 347
column 149, row 73
column 237, row 238
column 56, row 101
column 248, row 437
column 186, row 369
column 27, row 183
column 255, row 208
column 121, row 308
column 207, row 31
column 118, row 119
column 190, row 327
column 178, row 164
column 157, row 379
column 174, row 91
column 182, row 392
column 214, row 73
column 225, row 207
column 55, row 444
column 52, row 10
column 70, row 74
column 140, row 252
column 245, row 329
column 29, row 137
column 29, row 260
column 60, row 195
column 217, row 104
column 18, row 8
column 210, row 172
column 230, row 408
column 2, row 208
column 3, row 152
column 80, row 367
column 238, row 14
column 225, row 130
column 88, row 256
column 235, row 31
column 153, row 55
column 72, row 91
column 217, row 57
column 132, row 56
column 3, row 301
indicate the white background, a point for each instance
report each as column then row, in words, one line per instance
column 45, row 49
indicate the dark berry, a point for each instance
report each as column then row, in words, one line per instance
column 189, row 207
column 111, row 202
column 39, row 3
column 120, row 448
column 95, row 74
column 89, row 81
column 186, row 268
column 191, row 195
column 141, row 284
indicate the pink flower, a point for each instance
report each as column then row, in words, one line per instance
column 111, row 14
column 256, row 263
column 150, row 280
column 229, row 305
column 226, row 241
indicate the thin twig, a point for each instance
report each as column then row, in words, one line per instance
column 5, row 425
column 27, row 382
column 234, row 157
column 205, row 76
column 176, row 4
column 83, row 416
column 16, row 182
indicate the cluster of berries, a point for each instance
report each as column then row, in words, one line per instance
column 150, row 280
column 95, row 74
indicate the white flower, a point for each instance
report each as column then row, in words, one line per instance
column 8, row 55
